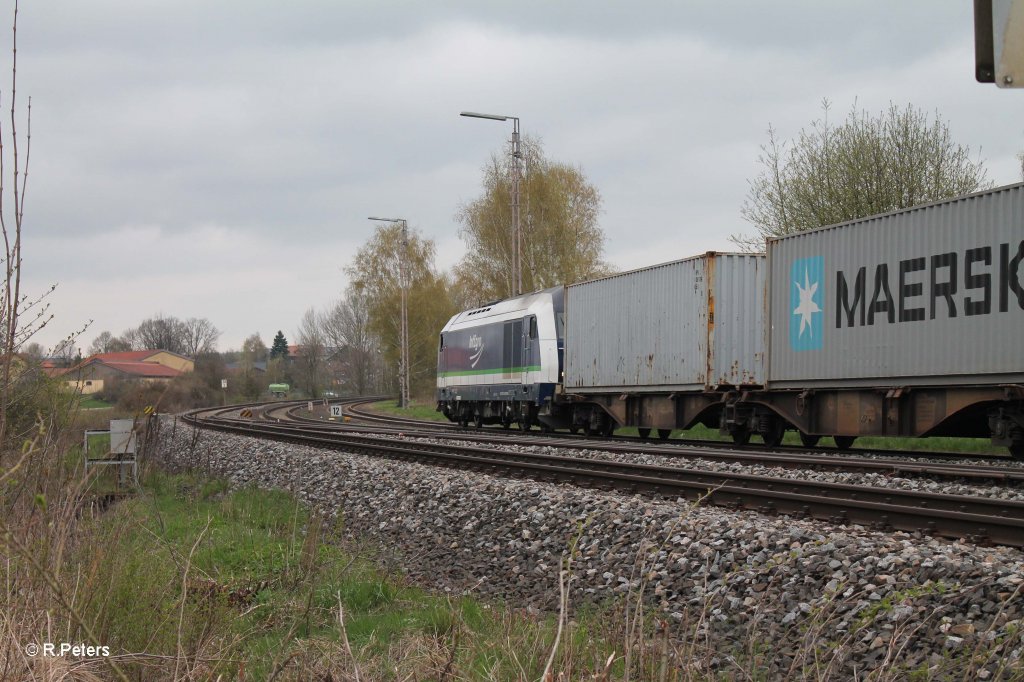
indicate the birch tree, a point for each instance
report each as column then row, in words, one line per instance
column 561, row 239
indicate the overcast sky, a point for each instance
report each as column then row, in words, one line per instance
column 219, row 159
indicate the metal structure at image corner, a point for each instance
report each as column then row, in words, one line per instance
column 999, row 42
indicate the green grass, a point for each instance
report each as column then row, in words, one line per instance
column 937, row 444
column 414, row 411
column 265, row 580
column 89, row 402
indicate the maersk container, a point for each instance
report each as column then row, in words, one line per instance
column 689, row 325
column 931, row 295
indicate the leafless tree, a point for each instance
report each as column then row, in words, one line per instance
column 108, row 343
column 346, row 328
column 199, row 336
column 192, row 337
column 309, row 363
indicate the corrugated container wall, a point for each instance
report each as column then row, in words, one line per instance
column 925, row 296
column 651, row 329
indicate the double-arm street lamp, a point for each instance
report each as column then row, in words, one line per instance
column 517, row 246
column 403, row 362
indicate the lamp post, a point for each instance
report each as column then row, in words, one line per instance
column 517, row 247
column 403, row 352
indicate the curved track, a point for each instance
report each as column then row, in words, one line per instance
column 954, row 516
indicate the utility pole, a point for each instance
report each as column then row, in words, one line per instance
column 517, row 239
column 403, row 284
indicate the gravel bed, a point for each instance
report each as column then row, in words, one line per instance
column 793, row 595
column 1001, row 491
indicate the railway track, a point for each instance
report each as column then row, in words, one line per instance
column 707, row 450
column 359, row 412
column 955, row 516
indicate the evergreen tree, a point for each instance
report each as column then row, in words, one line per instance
column 280, row 347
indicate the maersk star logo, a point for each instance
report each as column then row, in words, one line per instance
column 806, row 296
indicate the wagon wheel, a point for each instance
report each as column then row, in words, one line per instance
column 1016, row 449
column 663, row 434
column 643, row 433
column 574, row 430
column 773, row 436
column 844, row 442
column 809, row 440
column 478, row 420
column 740, row 435
column 608, row 429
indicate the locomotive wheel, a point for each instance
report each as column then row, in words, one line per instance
column 808, row 440
column 740, row 435
column 773, row 436
column 844, row 442
column 663, row 434
column 644, row 433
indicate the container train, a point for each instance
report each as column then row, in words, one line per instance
column 907, row 324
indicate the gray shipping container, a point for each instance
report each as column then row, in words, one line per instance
column 689, row 325
column 931, row 295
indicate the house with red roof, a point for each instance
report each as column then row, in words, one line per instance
column 92, row 373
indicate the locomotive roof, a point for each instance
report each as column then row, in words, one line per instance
column 506, row 305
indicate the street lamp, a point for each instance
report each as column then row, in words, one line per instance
column 403, row 362
column 517, row 247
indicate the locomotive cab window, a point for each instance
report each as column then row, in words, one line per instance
column 440, row 343
column 533, row 327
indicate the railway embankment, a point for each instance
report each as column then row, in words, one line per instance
column 793, row 594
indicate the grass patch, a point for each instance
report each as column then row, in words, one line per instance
column 90, row 402
column 425, row 412
column 969, row 446
column 250, row 578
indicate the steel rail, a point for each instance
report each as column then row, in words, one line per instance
column 792, row 460
column 358, row 411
